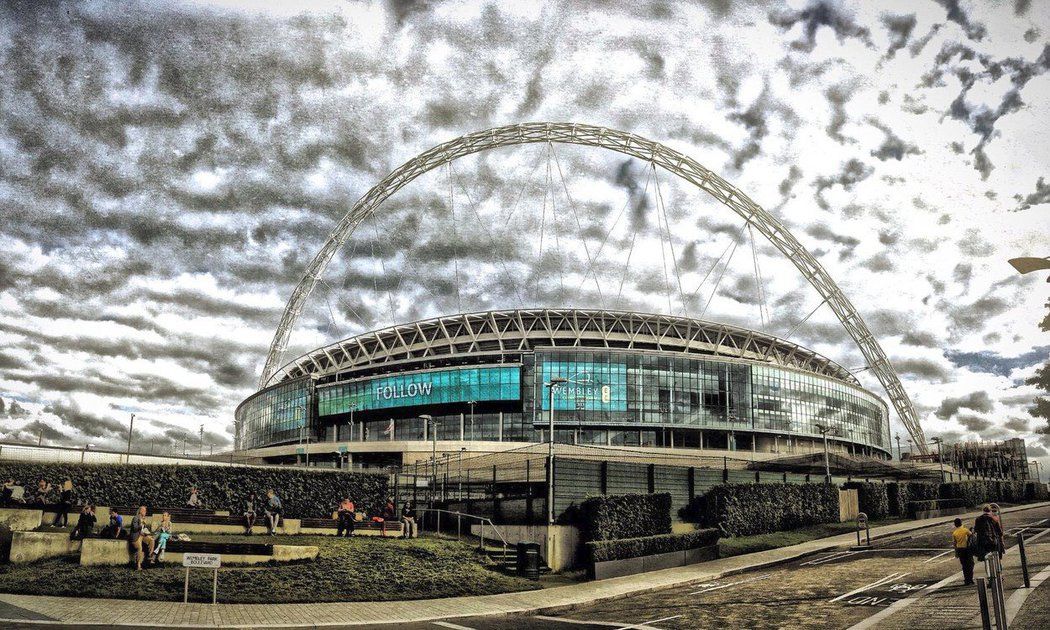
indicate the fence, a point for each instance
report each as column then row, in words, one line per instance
column 511, row 486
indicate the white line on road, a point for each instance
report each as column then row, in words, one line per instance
column 929, row 560
column 889, row 578
column 445, row 624
column 612, row 624
column 830, row 558
column 645, row 624
column 902, row 603
column 1017, row 599
column 715, row 588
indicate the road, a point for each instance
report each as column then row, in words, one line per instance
column 837, row 589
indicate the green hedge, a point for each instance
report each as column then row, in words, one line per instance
column 605, row 550
column 900, row 493
column 934, row 504
column 305, row 493
column 624, row 516
column 872, row 497
column 749, row 509
column 1034, row 491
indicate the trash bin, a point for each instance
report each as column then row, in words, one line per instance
column 529, row 560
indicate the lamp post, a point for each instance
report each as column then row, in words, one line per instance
column 200, row 446
column 302, row 430
column 824, row 430
column 940, row 460
column 898, row 436
column 427, row 418
column 472, row 403
column 551, row 386
column 131, row 429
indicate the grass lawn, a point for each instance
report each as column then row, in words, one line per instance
column 346, row 570
column 750, row 544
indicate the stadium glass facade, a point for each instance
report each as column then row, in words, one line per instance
column 612, row 398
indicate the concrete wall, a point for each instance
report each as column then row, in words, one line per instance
column 281, row 553
column 31, row 546
column 104, row 551
column 655, row 562
column 19, row 519
column 562, row 553
column 287, row 526
column 331, row 531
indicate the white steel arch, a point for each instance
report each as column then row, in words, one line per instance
column 628, row 144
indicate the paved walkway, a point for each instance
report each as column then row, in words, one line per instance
column 115, row 612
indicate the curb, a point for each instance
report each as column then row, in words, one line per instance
column 510, row 609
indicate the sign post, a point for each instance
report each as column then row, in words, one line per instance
column 201, row 561
column 862, row 524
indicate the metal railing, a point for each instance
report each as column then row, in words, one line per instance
column 459, row 526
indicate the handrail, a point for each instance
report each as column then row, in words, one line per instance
column 481, row 519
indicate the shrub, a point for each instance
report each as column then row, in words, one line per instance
column 305, row 493
column 1034, row 491
column 971, row 493
column 933, row 504
column 749, row 509
column 902, row 492
column 872, row 497
column 624, row 548
column 625, row 516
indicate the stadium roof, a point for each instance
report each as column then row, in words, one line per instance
column 513, row 331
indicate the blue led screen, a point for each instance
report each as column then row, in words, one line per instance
column 421, row 388
column 591, row 386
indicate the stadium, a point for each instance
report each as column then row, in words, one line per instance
column 631, row 381
column 489, row 382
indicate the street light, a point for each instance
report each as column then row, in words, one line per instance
column 824, row 430
column 427, row 418
column 1028, row 265
column 552, row 386
column 940, row 460
column 131, row 429
column 302, row 429
column 898, row 436
column 472, row 403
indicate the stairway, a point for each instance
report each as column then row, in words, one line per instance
column 507, row 559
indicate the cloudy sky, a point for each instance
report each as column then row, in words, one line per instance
column 167, row 171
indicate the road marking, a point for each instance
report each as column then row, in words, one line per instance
column 715, row 588
column 445, row 624
column 834, row 556
column 902, row 603
column 611, row 624
column 908, row 601
column 929, row 560
column 645, row 624
column 889, row 578
column 1017, row 599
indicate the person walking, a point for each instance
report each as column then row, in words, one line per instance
column 345, row 516
column 140, row 537
column 65, row 502
column 961, row 539
column 989, row 534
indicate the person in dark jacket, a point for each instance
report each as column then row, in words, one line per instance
column 989, row 534
column 65, row 502
column 85, row 523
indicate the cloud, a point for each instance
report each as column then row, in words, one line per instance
column 974, row 423
column 1017, row 424
column 975, row 401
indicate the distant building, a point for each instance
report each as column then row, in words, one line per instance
column 996, row 460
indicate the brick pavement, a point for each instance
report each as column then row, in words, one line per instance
column 115, row 612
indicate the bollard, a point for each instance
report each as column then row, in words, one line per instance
column 995, row 581
column 982, row 599
column 1024, row 559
